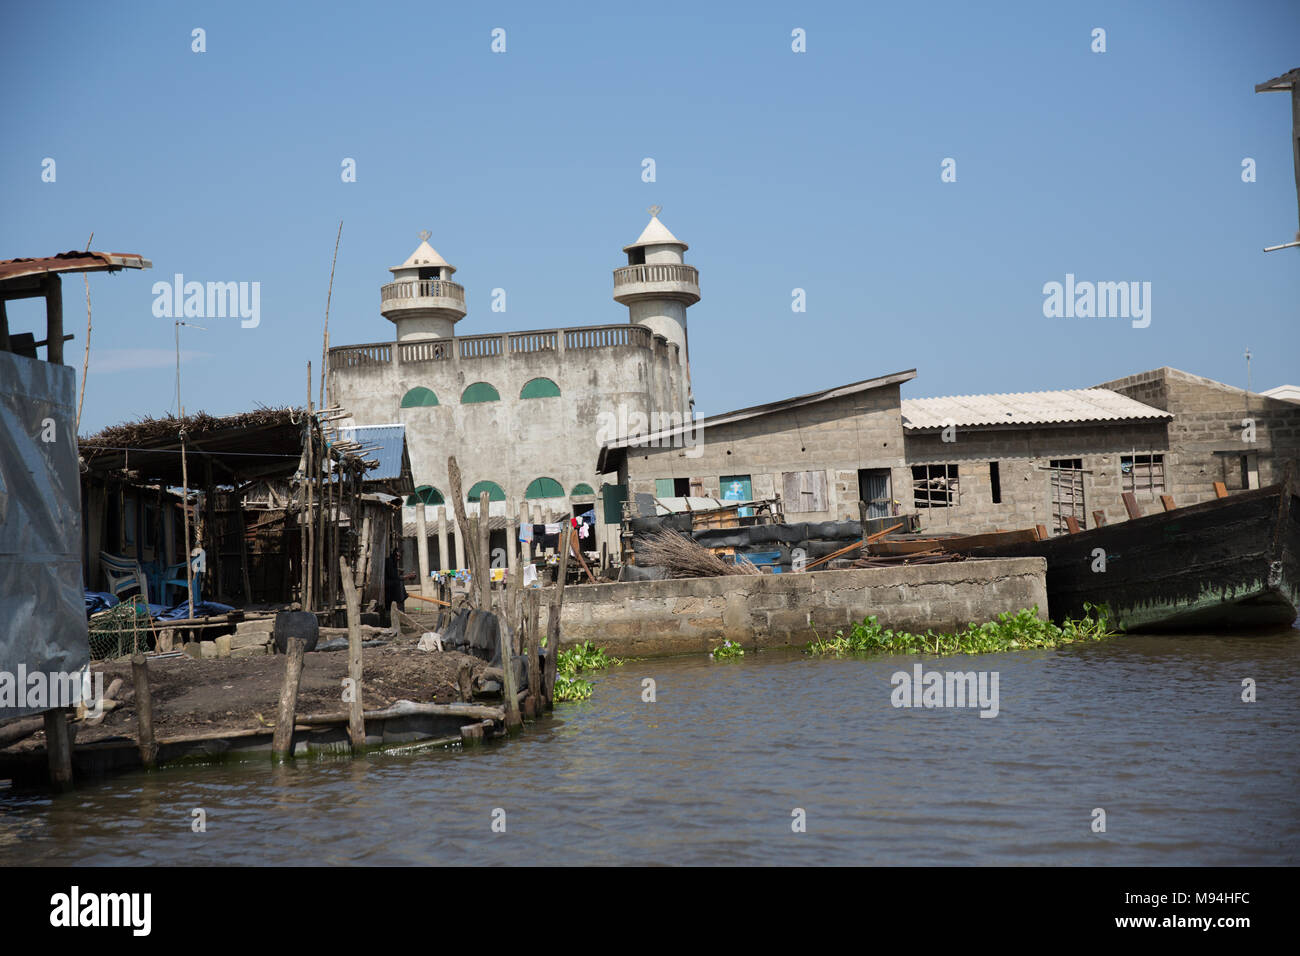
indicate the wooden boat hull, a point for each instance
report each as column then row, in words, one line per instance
column 1224, row 565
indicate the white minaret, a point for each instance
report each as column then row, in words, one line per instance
column 422, row 301
column 656, row 285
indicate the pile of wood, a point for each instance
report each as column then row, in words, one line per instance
column 681, row 557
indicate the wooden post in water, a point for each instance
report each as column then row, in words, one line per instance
column 58, row 748
column 532, row 645
column 356, row 722
column 509, row 690
column 553, row 618
column 282, row 741
column 144, row 711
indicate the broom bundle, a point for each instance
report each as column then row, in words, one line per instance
column 681, row 557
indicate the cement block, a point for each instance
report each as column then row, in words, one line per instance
column 242, row 639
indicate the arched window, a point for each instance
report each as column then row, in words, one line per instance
column 491, row 487
column 480, row 392
column 540, row 388
column 545, row 488
column 427, row 494
column 418, row 397
column 581, row 489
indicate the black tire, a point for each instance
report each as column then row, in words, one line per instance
column 295, row 624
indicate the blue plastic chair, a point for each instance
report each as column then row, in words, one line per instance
column 174, row 577
column 123, row 574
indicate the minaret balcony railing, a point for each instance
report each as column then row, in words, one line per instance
column 394, row 292
column 665, row 272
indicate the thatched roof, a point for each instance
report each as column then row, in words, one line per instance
column 262, row 443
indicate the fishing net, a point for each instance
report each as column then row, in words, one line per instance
column 121, row 630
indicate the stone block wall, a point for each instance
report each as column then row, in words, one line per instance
column 691, row 615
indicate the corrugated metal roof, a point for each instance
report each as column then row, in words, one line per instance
column 391, row 439
column 611, row 451
column 73, row 261
column 1027, row 408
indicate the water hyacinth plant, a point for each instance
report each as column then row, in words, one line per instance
column 576, row 660
column 1009, row 632
column 726, row 651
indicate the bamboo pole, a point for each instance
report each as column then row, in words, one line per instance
column 356, row 720
column 309, row 595
column 282, row 741
column 302, row 524
column 85, row 362
column 325, row 348
column 144, row 712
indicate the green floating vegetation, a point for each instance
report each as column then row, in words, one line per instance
column 726, row 651
column 1008, row 633
column 576, row 660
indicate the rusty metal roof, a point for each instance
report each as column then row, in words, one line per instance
column 1065, row 407
column 73, row 261
column 1279, row 83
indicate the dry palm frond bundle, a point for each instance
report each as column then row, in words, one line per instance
column 197, row 425
column 681, row 557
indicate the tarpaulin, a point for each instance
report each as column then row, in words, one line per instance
column 42, row 603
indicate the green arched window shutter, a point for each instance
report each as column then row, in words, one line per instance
column 491, row 487
column 540, row 388
column 480, row 392
column 427, row 494
column 545, row 488
column 418, row 397
column 582, row 489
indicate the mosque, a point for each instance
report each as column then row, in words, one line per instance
column 521, row 411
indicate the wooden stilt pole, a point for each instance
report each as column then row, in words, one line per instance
column 144, row 712
column 58, row 748
column 532, row 646
column 282, row 741
column 356, row 720
column 553, row 618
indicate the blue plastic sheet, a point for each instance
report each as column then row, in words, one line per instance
column 97, row 601
column 182, row 611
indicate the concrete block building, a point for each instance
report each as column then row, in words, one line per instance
column 520, row 410
column 976, row 463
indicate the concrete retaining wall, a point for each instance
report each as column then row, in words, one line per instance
column 647, row 618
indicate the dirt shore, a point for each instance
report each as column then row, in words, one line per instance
column 208, row 696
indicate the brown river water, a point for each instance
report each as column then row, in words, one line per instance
column 1151, row 729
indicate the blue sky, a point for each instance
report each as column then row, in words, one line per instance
column 818, row 171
